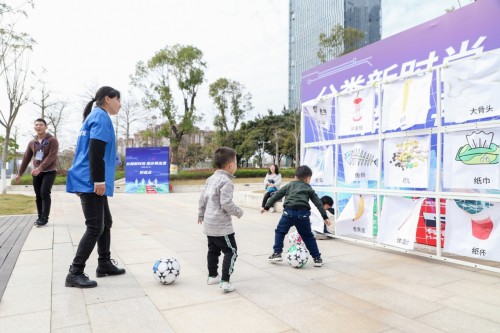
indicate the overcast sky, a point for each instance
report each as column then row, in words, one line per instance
column 91, row 43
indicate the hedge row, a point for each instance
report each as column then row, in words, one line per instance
column 182, row 175
column 240, row 173
column 60, row 178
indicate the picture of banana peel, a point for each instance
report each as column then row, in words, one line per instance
column 361, row 208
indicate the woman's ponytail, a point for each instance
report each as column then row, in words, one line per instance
column 88, row 109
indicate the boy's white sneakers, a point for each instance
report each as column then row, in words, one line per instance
column 227, row 287
column 213, row 280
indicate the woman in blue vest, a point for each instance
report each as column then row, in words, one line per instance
column 92, row 177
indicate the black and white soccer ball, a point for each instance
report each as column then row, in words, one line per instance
column 297, row 256
column 166, row 270
column 294, row 238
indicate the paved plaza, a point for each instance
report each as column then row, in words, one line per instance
column 359, row 288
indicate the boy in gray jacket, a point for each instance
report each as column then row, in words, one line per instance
column 215, row 208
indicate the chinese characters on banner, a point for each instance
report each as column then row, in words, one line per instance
column 357, row 217
column 398, row 222
column 355, row 112
column 471, row 159
column 360, row 161
column 406, row 162
column 471, row 88
column 473, row 235
column 147, row 170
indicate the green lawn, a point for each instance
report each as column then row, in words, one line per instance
column 17, row 204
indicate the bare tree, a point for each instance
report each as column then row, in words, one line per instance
column 15, row 75
column 14, row 59
column 55, row 116
column 11, row 42
column 43, row 103
column 130, row 113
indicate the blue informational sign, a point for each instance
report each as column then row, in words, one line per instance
column 147, row 170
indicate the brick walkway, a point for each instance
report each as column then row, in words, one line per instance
column 13, row 233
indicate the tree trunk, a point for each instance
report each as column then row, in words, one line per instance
column 174, row 152
column 4, row 161
column 276, row 159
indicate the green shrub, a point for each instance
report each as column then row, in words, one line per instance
column 119, row 174
column 182, row 175
column 60, row 178
column 240, row 173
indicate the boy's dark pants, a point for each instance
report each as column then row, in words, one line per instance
column 42, row 184
column 216, row 245
column 299, row 219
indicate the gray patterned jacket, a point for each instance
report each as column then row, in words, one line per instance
column 216, row 205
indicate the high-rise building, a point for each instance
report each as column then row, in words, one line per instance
column 309, row 18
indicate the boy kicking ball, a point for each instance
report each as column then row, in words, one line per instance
column 296, row 212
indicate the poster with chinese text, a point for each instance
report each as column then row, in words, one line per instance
column 357, row 217
column 147, row 170
column 398, row 222
column 405, row 103
column 473, row 235
column 360, row 161
column 471, row 88
column 471, row 159
column 318, row 119
column 355, row 112
column 406, row 162
column 321, row 162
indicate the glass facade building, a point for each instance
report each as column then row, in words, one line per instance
column 309, row 18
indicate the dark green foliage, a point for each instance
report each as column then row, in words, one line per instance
column 184, row 66
column 240, row 173
column 232, row 103
column 284, row 127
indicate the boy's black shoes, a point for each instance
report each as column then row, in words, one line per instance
column 318, row 262
column 275, row 257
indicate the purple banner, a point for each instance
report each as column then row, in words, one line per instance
column 147, row 170
column 462, row 33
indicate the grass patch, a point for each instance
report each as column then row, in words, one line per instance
column 17, row 204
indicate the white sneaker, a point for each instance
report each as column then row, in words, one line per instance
column 271, row 210
column 227, row 287
column 213, row 280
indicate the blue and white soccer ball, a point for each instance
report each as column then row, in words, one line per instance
column 166, row 270
column 297, row 256
column 295, row 238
